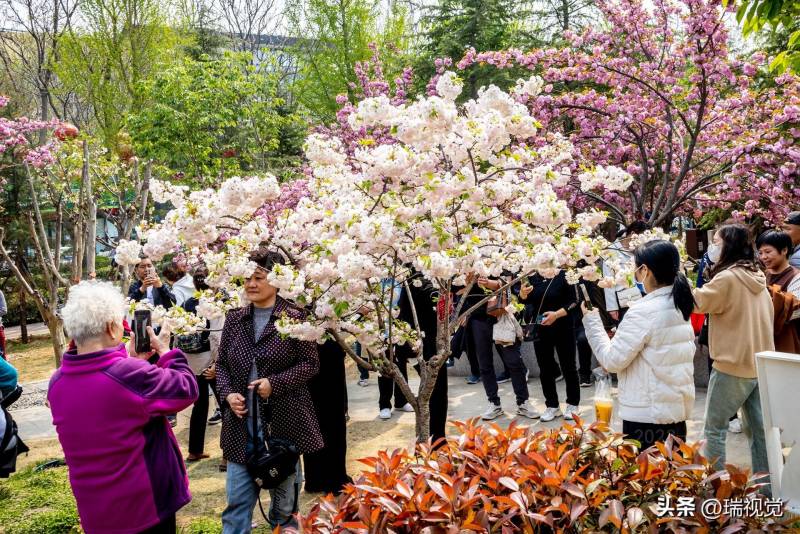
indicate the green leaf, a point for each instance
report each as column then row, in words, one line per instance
column 793, row 38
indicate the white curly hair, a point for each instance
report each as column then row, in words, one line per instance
column 91, row 305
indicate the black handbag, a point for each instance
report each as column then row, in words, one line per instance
column 274, row 461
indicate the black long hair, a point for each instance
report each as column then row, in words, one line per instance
column 737, row 249
column 664, row 261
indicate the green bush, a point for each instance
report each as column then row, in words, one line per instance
column 38, row 502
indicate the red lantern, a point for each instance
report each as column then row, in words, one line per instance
column 66, row 131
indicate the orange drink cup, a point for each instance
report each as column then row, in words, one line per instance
column 603, row 409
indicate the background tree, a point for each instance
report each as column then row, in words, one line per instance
column 451, row 27
column 30, row 49
column 213, row 117
column 783, row 18
column 657, row 92
column 551, row 18
column 247, row 23
column 120, row 44
column 335, row 34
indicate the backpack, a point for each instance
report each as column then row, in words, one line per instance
column 11, row 445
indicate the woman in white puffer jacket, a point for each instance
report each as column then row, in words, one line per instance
column 653, row 349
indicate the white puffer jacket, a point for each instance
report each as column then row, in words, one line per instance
column 652, row 353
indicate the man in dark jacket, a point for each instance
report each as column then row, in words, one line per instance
column 149, row 286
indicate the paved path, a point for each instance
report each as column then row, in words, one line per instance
column 465, row 401
column 34, row 329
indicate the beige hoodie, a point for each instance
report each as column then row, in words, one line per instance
column 740, row 319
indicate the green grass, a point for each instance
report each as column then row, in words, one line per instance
column 38, row 503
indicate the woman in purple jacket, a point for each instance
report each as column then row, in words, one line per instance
column 109, row 408
column 253, row 356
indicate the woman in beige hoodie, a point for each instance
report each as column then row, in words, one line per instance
column 740, row 325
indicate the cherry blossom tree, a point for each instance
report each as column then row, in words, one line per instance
column 423, row 191
column 64, row 176
column 656, row 91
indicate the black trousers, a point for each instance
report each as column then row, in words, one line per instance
column 438, row 405
column 472, row 354
column 649, row 433
column 511, row 356
column 199, row 417
column 387, row 385
column 167, row 526
column 552, row 339
column 438, row 402
column 584, row 353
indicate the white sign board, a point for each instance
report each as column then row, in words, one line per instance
column 779, row 382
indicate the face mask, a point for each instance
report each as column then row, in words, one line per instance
column 714, row 252
column 639, row 285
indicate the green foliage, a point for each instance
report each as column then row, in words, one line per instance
column 210, row 117
column 336, row 35
column 782, row 16
column 124, row 42
column 34, row 502
column 453, row 26
column 203, row 525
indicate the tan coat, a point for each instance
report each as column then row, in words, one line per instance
column 740, row 319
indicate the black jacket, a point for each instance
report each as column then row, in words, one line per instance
column 425, row 305
column 550, row 294
column 162, row 296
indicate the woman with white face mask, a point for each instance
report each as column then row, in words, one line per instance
column 740, row 325
column 653, row 349
column 704, row 269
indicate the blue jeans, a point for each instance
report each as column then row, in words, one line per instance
column 242, row 494
column 726, row 394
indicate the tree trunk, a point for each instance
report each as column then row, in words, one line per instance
column 23, row 317
column 56, row 327
column 91, row 215
column 423, row 422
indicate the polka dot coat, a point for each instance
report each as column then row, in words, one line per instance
column 288, row 363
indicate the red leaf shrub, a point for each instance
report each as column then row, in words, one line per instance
column 570, row 479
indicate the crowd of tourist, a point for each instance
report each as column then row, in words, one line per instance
column 280, row 398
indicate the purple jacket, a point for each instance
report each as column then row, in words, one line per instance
column 109, row 409
column 288, row 363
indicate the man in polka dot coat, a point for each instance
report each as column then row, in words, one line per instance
column 288, row 364
column 283, row 367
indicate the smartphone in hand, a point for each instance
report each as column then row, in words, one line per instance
column 586, row 298
column 141, row 320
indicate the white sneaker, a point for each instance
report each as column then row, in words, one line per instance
column 386, row 413
column 407, row 407
column 493, row 411
column 550, row 414
column 735, row 426
column 571, row 410
column 527, row 410
column 363, row 382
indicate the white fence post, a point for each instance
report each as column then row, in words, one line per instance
column 779, row 386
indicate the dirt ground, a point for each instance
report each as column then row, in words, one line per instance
column 33, row 361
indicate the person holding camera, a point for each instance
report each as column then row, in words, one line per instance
column 149, row 286
column 255, row 357
column 109, row 407
column 549, row 303
column 653, row 349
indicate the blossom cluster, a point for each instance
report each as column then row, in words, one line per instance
column 427, row 187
